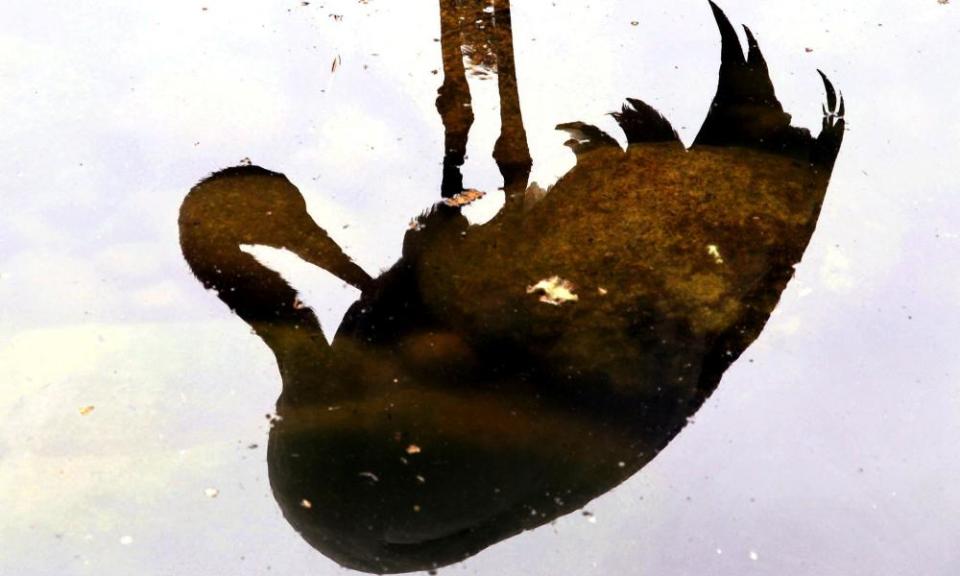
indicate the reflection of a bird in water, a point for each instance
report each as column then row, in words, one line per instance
column 499, row 376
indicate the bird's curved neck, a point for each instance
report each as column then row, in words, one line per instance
column 258, row 295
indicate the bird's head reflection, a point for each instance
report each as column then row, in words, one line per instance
column 499, row 376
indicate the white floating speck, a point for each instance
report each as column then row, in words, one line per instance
column 554, row 290
column 714, row 251
column 211, row 492
column 126, row 540
column 754, row 556
column 370, row 475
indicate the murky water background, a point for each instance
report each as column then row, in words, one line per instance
column 827, row 449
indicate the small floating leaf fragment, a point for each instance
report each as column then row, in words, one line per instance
column 86, row 410
column 464, row 198
column 555, row 291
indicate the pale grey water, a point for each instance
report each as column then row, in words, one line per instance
column 829, row 448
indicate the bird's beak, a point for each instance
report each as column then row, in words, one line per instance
column 315, row 246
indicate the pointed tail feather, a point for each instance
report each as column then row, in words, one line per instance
column 641, row 123
column 745, row 111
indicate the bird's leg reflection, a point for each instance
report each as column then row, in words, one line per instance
column 461, row 24
column 511, row 150
column 453, row 101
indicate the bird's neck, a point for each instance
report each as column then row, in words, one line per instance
column 259, row 296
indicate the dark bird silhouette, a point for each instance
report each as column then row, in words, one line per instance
column 499, row 376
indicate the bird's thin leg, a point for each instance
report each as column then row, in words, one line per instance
column 511, row 151
column 453, row 100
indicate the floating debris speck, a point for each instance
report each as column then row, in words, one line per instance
column 306, row 504
column 464, row 198
column 211, row 492
column 413, row 449
column 86, row 410
column 714, row 251
column 555, row 291
column 369, row 475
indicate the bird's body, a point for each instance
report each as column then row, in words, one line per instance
column 499, row 376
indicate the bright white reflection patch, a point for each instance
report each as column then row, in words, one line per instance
column 328, row 296
column 484, row 209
